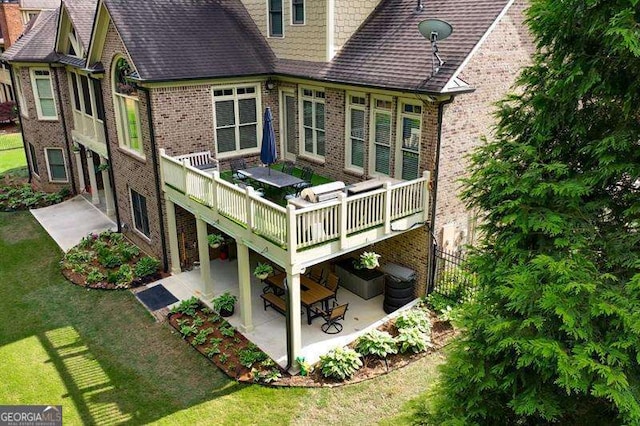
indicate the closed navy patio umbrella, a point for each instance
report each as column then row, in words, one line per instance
column 268, row 154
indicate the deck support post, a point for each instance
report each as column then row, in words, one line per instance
column 244, row 283
column 203, row 254
column 172, row 230
column 294, row 337
column 95, row 197
column 78, row 157
column 108, row 192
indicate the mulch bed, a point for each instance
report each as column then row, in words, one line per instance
column 441, row 334
column 228, row 359
column 81, row 279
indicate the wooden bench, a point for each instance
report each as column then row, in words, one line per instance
column 275, row 302
column 200, row 160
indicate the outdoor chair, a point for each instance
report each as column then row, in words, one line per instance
column 306, row 176
column 259, row 191
column 332, row 284
column 316, row 273
column 237, row 164
column 288, row 167
column 332, row 318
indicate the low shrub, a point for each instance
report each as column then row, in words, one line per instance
column 127, row 250
column 377, row 343
column 146, row 266
column 95, row 276
column 248, row 356
column 187, row 307
column 109, row 260
column 340, row 363
column 201, row 337
column 23, row 197
column 412, row 339
column 414, row 318
column 227, row 330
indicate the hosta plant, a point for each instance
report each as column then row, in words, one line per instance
column 377, row 343
column 412, row 339
column 340, row 363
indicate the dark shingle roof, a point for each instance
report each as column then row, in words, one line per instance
column 388, row 51
column 82, row 13
column 37, row 44
column 184, row 39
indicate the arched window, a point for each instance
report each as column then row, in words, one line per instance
column 126, row 107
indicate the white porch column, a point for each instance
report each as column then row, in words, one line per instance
column 95, row 197
column 244, row 280
column 108, row 193
column 203, row 253
column 293, row 283
column 172, row 230
column 80, row 171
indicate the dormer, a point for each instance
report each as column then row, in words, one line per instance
column 68, row 41
column 308, row 30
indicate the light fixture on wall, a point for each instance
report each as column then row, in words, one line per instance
column 270, row 84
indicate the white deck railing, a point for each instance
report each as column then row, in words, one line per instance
column 296, row 229
column 89, row 127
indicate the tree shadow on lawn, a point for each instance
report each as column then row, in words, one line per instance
column 117, row 365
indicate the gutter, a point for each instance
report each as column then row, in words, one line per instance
column 156, row 172
column 64, row 129
column 17, row 101
column 436, row 169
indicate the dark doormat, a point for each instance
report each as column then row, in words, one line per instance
column 156, row 297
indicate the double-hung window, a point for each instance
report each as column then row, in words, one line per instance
column 236, row 119
column 80, row 88
column 410, row 125
column 380, row 156
column 313, row 119
column 43, row 93
column 297, row 12
column 127, row 108
column 356, row 111
column 56, row 165
column 276, row 18
column 140, row 215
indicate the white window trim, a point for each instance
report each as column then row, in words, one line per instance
column 36, row 97
column 133, row 216
column 235, row 97
column 304, row 15
column 347, row 129
column 400, row 115
column 120, row 128
column 22, row 104
column 31, row 159
column 301, row 140
column 372, row 133
column 64, row 160
column 26, row 13
column 81, row 97
column 284, row 92
column 277, row 37
column 74, row 43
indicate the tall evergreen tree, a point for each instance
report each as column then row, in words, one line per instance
column 554, row 335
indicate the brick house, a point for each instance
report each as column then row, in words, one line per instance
column 111, row 92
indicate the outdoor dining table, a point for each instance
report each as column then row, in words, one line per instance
column 310, row 292
column 271, row 177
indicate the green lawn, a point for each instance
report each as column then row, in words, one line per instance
column 12, row 156
column 102, row 356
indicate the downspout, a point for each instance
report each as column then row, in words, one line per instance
column 436, row 170
column 156, row 172
column 24, row 140
column 64, row 129
column 112, row 175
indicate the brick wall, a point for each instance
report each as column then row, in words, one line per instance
column 131, row 172
column 42, row 134
column 10, row 22
column 492, row 71
column 303, row 42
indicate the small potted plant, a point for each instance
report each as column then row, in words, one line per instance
column 369, row 260
column 224, row 304
column 262, row 271
column 215, row 240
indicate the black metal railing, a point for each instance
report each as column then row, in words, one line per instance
column 450, row 277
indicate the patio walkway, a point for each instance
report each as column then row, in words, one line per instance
column 269, row 331
column 68, row 222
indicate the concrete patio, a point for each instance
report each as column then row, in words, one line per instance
column 269, row 328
